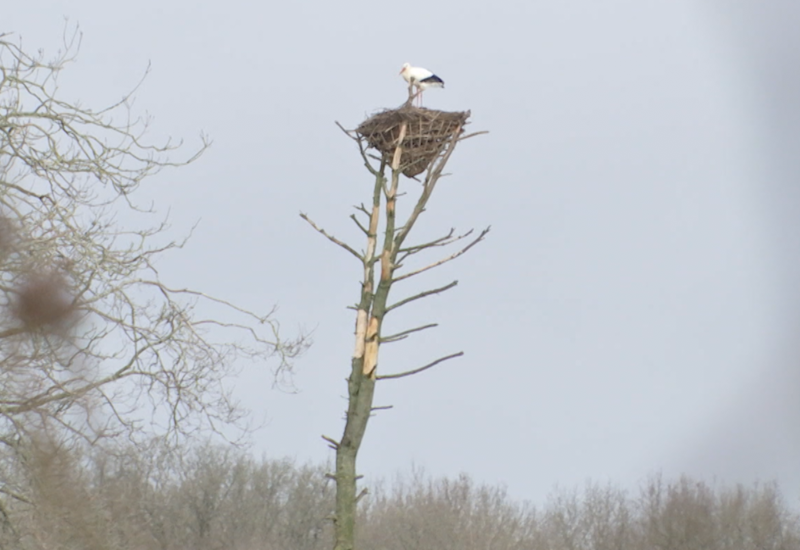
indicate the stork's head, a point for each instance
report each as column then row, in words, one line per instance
column 406, row 66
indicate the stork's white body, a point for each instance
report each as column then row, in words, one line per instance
column 421, row 78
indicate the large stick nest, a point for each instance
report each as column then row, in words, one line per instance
column 427, row 132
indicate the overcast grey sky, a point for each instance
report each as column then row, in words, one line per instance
column 635, row 308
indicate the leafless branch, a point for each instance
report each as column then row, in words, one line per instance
column 403, row 335
column 91, row 340
column 351, row 134
column 358, row 223
column 15, row 495
column 421, row 295
column 427, row 189
column 451, row 257
column 462, row 138
column 420, row 369
column 441, row 241
column 332, row 238
column 348, row 133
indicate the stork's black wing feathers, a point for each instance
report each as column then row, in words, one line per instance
column 433, row 79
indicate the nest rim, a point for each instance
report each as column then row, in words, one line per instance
column 428, row 131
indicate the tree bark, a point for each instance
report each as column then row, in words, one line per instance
column 360, row 384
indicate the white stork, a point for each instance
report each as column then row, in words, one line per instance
column 421, row 78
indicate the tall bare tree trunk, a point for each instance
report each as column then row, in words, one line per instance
column 411, row 140
column 360, row 384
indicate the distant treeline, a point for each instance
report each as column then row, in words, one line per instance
column 216, row 498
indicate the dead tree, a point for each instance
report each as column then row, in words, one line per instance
column 415, row 143
column 92, row 340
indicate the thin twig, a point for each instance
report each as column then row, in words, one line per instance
column 331, row 237
column 441, row 241
column 420, row 369
column 462, row 138
column 449, row 258
column 358, row 223
column 15, row 495
column 348, row 133
column 406, row 333
column 420, row 295
column 427, row 189
column 358, row 139
column 436, row 243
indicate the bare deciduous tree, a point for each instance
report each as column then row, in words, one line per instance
column 446, row 514
column 210, row 496
column 93, row 344
column 410, row 141
column 213, row 497
column 691, row 514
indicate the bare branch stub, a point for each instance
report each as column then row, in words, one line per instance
column 332, row 443
column 428, row 132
